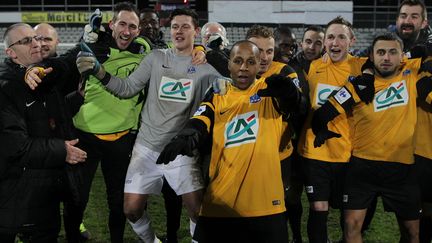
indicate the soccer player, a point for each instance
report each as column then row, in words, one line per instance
column 264, row 38
column 411, row 26
column 383, row 122
column 244, row 197
column 312, row 46
column 175, row 89
column 325, row 166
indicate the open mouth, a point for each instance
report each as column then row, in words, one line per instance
column 407, row 28
column 243, row 78
column 179, row 38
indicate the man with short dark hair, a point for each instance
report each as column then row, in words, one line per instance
column 384, row 119
column 325, row 166
column 411, row 24
column 150, row 28
column 106, row 125
column 285, row 44
column 175, row 88
column 412, row 27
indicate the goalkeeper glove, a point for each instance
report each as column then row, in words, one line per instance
column 94, row 26
column 88, row 64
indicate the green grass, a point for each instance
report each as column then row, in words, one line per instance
column 383, row 229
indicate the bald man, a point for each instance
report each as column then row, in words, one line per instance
column 49, row 39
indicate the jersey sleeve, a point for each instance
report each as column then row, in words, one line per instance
column 134, row 83
column 344, row 98
column 205, row 112
column 424, row 83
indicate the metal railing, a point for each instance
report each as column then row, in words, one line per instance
column 365, row 16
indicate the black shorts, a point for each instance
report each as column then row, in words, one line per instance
column 396, row 183
column 297, row 171
column 424, row 176
column 324, row 181
column 265, row 229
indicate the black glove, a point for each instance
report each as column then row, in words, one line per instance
column 418, row 51
column 320, row 118
column 215, row 44
column 279, row 86
column 365, row 87
column 368, row 65
column 426, row 65
column 184, row 143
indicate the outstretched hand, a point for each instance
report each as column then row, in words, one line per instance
column 34, row 75
column 279, row 86
column 185, row 143
column 88, row 64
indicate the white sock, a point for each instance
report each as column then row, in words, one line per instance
column 144, row 230
column 192, row 225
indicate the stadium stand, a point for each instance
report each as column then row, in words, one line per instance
column 70, row 35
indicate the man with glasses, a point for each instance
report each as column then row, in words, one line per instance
column 35, row 137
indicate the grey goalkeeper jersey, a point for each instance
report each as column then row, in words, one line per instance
column 175, row 89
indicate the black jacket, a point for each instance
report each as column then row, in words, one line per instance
column 33, row 125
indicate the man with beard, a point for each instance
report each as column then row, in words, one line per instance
column 411, row 25
column 384, row 114
column 412, row 28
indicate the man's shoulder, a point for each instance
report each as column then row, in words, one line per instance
column 9, row 71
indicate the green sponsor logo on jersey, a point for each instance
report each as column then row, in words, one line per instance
column 242, row 129
column 395, row 95
column 178, row 90
column 323, row 92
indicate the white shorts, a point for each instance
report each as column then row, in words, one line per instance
column 144, row 176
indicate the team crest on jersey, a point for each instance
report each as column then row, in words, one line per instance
column 254, row 99
column 242, row 129
column 406, row 72
column 191, row 69
column 322, row 93
column 177, row 90
column 395, row 95
column 342, row 95
column 200, row 110
column 296, row 82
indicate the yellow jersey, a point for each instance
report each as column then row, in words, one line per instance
column 383, row 130
column 286, row 148
column 325, row 77
column 244, row 173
